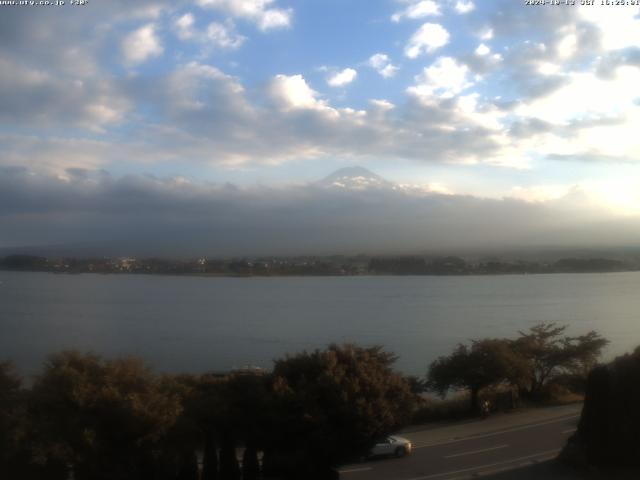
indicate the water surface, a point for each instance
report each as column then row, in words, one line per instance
column 203, row 323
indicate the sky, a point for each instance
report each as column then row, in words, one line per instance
column 205, row 124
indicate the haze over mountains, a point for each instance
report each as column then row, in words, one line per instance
column 353, row 210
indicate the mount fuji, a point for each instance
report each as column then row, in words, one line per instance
column 355, row 178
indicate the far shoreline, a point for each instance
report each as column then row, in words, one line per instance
column 293, row 275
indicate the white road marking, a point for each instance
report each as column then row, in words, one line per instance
column 476, row 451
column 493, row 434
column 570, row 430
column 353, row 470
column 487, row 466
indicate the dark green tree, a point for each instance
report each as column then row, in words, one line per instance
column 547, row 352
column 205, row 406
column 247, row 415
column 14, row 455
column 482, row 364
column 332, row 404
column 417, row 384
column 177, row 453
column 103, row 418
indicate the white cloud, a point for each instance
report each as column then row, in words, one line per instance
column 141, row 45
column 548, row 68
column 101, row 113
column 418, row 9
column 224, row 36
column 428, row 38
column 444, row 78
column 342, row 78
column 486, row 34
column 381, row 104
column 389, row 71
column 184, row 26
column 619, row 195
column 220, row 35
column 598, row 121
column 256, row 11
column 293, row 92
column 380, row 63
column 463, row 7
column 483, row 50
column 540, row 193
column 471, row 110
column 273, row 18
column 620, row 27
column 378, row 60
column 53, row 100
column 567, row 46
column 198, row 95
column 584, row 95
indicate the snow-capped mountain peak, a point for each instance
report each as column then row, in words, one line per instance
column 354, row 178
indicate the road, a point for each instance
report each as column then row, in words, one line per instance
column 478, row 448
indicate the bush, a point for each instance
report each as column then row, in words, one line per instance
column 609, row 430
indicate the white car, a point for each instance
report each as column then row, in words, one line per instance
column 391, row 445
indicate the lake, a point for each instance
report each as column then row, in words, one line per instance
column 194, row 324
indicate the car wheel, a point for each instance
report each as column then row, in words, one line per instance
column 401, row 452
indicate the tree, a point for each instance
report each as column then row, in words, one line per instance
column 204, row 406
column 547, row 353
column 104, row 418
column 417, row 384
column 12, row 423
column 246, row 418
column 177, row 459
column 332, row 404
column 483, row 364
column 608, row 433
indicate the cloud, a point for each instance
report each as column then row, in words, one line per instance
column 482, row 50
column 417, row 9
column 428, row 38
column 275, row 19
column 482, row 61
column 567, row 46
column 256, row 11
column 463, row 6
column 44, row 99
column 200, row 87
column 381, row 63
column 342, row 78
column 223, row 36
column 444, row 78
column 486, row 34
column 186, row 114
column 607, row 64
column 596, row 121
column 141, row 45
column 204, row 116
column 293, row 92
column 184, row 26
column 176, row 216
column 52, row 156
column 218, row 35
column 619, row 27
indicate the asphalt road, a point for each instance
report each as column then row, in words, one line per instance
column 473, row 449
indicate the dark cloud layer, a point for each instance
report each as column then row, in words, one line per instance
column 151, row 216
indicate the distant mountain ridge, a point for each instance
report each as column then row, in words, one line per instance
column 354, row 178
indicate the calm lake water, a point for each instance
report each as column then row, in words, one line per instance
column 195, row 324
